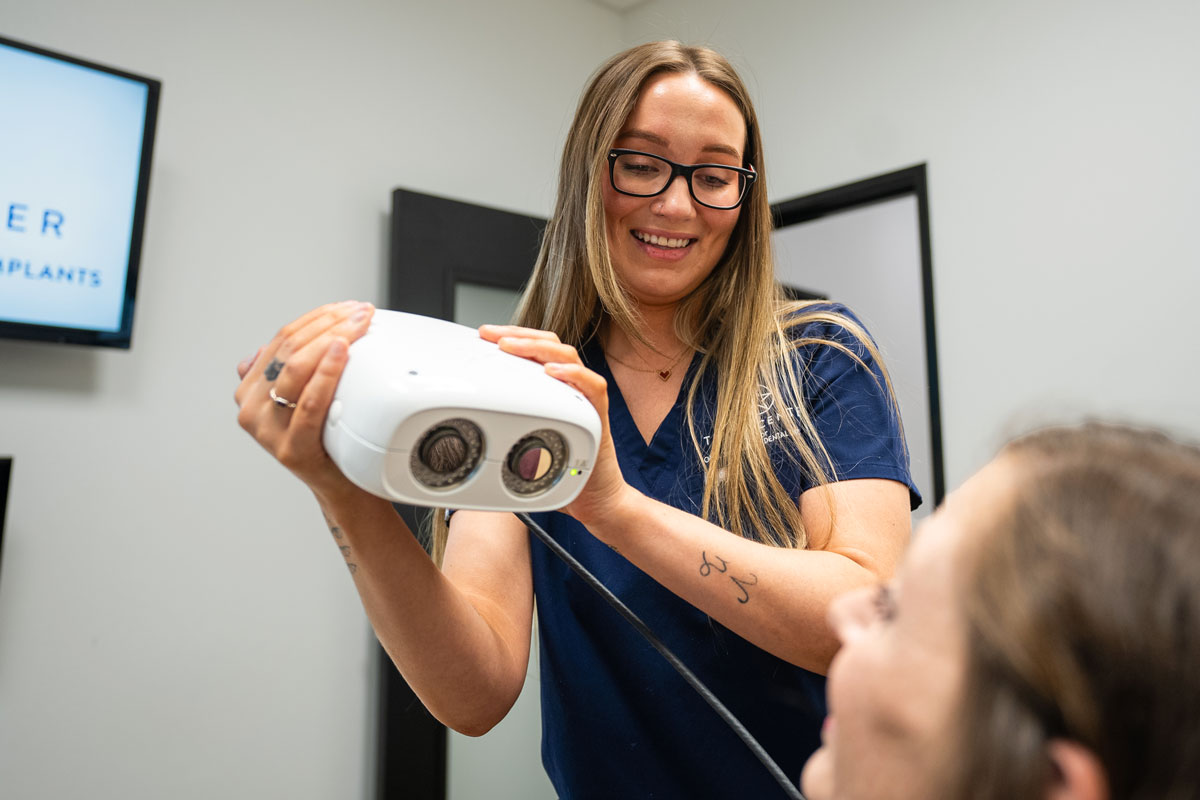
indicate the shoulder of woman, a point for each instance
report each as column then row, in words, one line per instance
column 815, row 321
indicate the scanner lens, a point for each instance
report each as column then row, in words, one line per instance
column 444, row 451
column 447, row 453
column 535, row 462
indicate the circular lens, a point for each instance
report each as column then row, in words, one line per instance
column 447, row 453
column 535, row 462
column 444, row 451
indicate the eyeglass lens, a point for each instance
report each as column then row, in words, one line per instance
column 647, row 175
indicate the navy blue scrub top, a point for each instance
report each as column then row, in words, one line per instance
column 617, row 720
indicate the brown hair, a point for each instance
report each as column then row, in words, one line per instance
column 738, row 318
column 1083, row 618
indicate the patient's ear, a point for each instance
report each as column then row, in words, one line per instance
column 1078, row 774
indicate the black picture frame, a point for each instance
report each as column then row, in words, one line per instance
column 909, row 180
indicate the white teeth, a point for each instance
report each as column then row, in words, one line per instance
column 661, row 241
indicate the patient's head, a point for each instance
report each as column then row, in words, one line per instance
column 1042, row 639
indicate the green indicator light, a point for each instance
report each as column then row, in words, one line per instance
column 574, row 472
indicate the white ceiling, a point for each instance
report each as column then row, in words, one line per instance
column 619, row 5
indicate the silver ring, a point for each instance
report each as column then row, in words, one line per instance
column 282, row 402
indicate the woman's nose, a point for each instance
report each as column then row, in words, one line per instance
column 676, row 199
column 851, row 613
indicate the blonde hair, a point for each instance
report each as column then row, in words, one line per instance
column 738, row 318
column 1083, row 618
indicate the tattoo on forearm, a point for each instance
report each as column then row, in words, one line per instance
column 707, row 567
column 333, row 528
column 346, row 555
column 742, row 584
column 345, row 548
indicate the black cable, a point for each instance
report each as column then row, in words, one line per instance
column 633, row 619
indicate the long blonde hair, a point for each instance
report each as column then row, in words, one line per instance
column 738, row 318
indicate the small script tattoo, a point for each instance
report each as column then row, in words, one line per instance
column 273, row 369
column 742, row 584
column 345, row 548
column 707, row 567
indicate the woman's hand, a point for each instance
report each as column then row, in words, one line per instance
column 301, row 366
column 606, row 484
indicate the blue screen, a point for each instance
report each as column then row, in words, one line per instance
column 71, row 156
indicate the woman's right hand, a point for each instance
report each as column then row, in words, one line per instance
column 606, row 484
column 302, row 365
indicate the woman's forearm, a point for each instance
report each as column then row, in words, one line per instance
column 464, row 659
column 776, row 598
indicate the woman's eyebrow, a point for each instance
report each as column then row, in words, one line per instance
column 654, row 138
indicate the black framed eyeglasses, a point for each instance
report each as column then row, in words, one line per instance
column 639, row 174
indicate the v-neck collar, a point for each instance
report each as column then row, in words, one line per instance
column 651, row 461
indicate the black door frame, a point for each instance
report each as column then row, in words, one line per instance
column 435, row 244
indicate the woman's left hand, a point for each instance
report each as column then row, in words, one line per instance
column 606, row 484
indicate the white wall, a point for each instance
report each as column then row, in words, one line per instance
column 174, row 621
column 174, row 618
column 1064, row 182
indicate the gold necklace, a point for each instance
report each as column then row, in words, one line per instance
column 663, row 374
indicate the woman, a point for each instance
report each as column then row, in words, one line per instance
column 1041, row 639
column 751, row 465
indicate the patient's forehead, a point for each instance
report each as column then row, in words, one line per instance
column 968, row 511
column 939, row 563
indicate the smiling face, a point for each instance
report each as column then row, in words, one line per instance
column 663, row 247
column 896, row 684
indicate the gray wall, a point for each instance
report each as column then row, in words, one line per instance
column 173, row 619
column 1064, row 182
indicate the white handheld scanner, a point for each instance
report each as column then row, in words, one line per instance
column 427, row 413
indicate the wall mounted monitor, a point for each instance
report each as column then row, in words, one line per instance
column 75, row 152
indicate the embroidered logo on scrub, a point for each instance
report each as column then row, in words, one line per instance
column 770, row 421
